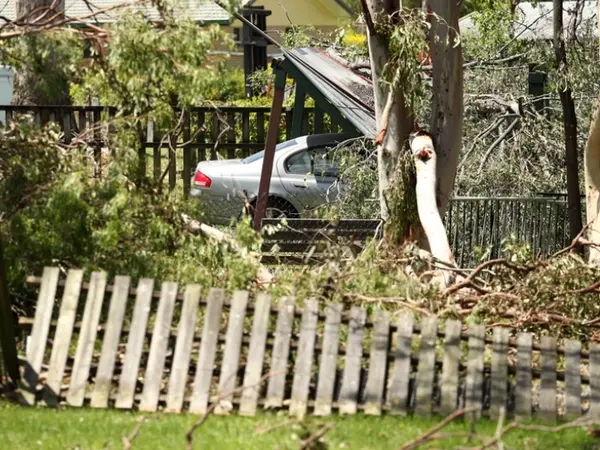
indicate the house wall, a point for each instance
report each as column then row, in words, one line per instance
column 6, row 89
column 324, row 15
column 319, row 13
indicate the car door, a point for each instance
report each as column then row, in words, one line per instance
column 309, row 176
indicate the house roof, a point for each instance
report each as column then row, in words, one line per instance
column 197, row 10
column 205, row 11
column 534, row 21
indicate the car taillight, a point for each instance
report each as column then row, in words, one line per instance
column 202, row 180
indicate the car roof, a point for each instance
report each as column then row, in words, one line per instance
column 315, row 140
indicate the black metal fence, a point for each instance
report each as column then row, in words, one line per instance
column 480, row 227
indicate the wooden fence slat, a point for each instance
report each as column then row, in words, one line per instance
column 256, row 354
column 548, row 378
column 318, row 120
column 524, row 375
column 474, row 382
column 208, row 348
column 110, row 346
column 260, row 126
column 573, row 378
column 158, row 347
column 87, row 339
column 400, row 382
column 82, row 124
column 351, row 378
column 97, row 118
column 62, row 338
column 499, row 371
column 183, row 348
column 231, row 134
column 231, row 354
column 451, row 362
column 187, row 155
column 426, row 366
column 172, row 152
column 328, row 362
column 281, row 352
column 39, row 333
column 595, row 379
column 201, row 136
column 67, row 126
column 135, row 344
column 156, row 155
column 377, row 363
column 216, row 133
column 304, row 359
column 245, row 131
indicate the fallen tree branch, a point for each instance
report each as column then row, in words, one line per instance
column 128, row 440
column 264, row 276
column 574, row 243
column 577, row 423
column 189, row 436
column 318, row 435
column 285, row 423
column 468, row 282
column 393, row 300
column 430, row 434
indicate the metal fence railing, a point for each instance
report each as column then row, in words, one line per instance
column 480, row 225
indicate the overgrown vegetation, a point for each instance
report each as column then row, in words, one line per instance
column 55, row 213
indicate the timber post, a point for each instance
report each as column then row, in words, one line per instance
column 7, row 331
column 272, row 134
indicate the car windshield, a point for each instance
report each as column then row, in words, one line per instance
column 259, row 155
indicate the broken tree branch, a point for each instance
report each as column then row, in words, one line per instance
column 264, row 276
column 189, row 436
column 318, row 435
column 128, row 440
column 430, row 434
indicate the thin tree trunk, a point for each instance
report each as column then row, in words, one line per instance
column 570, row 127
column 40, row 81
column 397, row 122
column 447, row 107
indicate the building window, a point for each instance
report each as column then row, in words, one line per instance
column 237, row 35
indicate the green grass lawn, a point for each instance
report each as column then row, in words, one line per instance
column 30, row 428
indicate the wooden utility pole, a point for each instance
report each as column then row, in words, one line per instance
column 570, row 125
column 7, row 330
column 262, row 199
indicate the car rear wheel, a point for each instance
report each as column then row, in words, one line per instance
column 277, row 208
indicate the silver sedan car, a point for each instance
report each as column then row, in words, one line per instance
column 303, row 178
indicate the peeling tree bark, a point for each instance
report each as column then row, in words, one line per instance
column 592, row 182
column 425, row 158
column 592, row 185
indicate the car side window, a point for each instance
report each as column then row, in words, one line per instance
column 299, row 163
column 316, row 161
